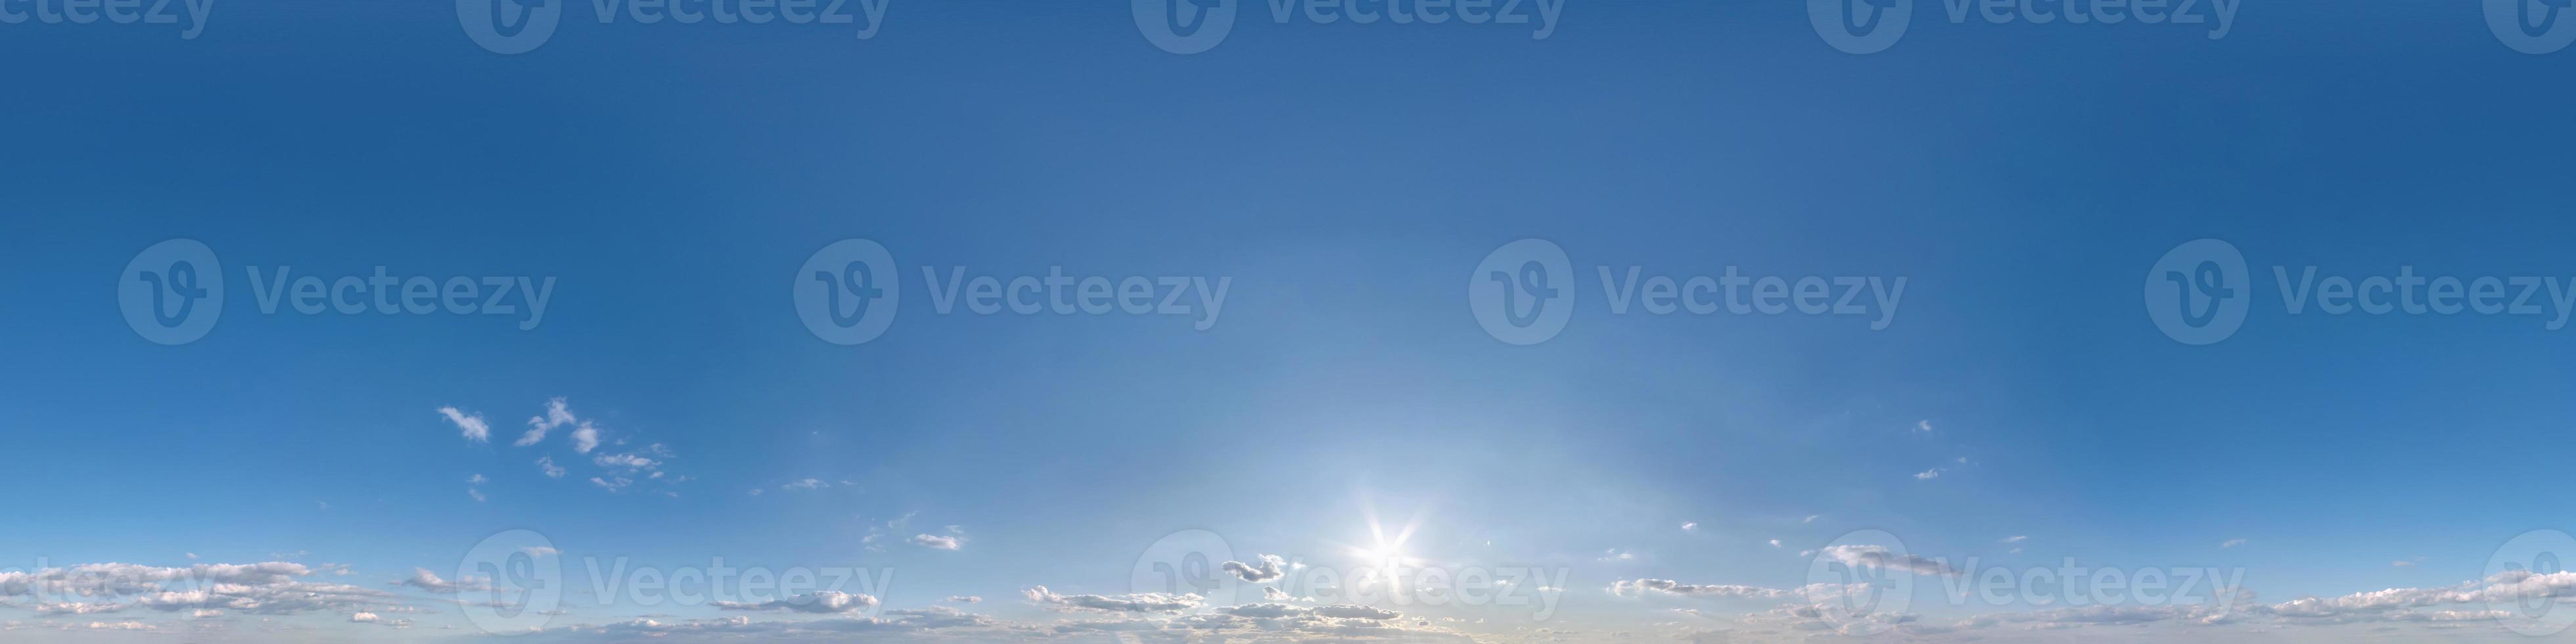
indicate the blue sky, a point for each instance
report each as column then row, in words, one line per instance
column 1340, row 180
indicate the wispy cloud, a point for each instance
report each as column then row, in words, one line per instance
column 1134, row 603
column 1880, row 557
column 470, row 425
column 558, row 413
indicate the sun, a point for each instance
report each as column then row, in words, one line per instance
column 1385, row 558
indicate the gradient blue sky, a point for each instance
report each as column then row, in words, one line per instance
column 1347, row 178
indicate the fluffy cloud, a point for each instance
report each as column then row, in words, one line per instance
column 423, row 579
column 269, row 588
column 624, row 461
column 1135, row 603
column 77, row 608
column 1269, row 569
column 471, row 425
column 547, row 464
column 817, row 602
column 585, row 438
column 965, row 599
column 935, row 542
column 1342, row 611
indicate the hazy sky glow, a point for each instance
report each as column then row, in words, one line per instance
column 1583, row 321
